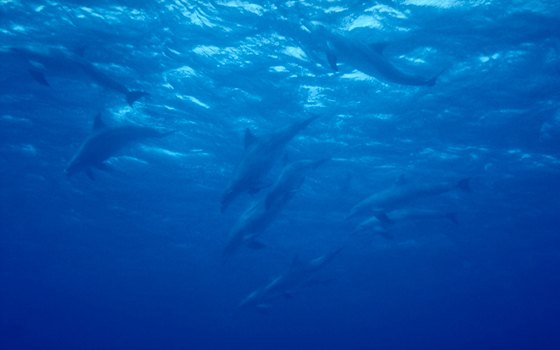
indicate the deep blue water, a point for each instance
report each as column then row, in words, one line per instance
column 133, row 259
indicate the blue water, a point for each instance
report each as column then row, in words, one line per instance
column 133, row 258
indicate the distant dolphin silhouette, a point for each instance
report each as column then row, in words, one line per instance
column 260, row 155
column 104, row 143
column 299, row 274
column 60, row 61
column 402, row 194
column 367, row 59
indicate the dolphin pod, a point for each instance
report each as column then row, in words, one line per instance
column 259, row 156
column 380, row 210
column 297, row 276
column 106, row 142
column 258, row 217
column 40, row 64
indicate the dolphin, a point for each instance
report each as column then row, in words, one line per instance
column 402, row 194
column 59, row 61
column 258, row 217
column 368, row 59
column 104, row 143
column 283, row 285
column 260, row 155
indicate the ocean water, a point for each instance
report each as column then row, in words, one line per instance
column 131, row 256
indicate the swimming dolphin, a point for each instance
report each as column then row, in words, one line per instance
column 402, row 194
column 368, row 59
column 104, row 143
column 260, row 155
column 256, row 219
column 297, row 275
column 59, row 61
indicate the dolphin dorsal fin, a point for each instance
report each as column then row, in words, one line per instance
column 250, row 138
column 379, row 47
column 98, row 123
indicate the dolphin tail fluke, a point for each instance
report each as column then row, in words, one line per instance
column 465, row 185
column 39, row 77
column 452, row 217
column 133, row 95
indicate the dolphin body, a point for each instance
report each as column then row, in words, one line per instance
column 258, row 217
column 260, row 155
column 367, row 59
column 402, row 194
column 40, row 63
column 104, row 143
column 297, row 275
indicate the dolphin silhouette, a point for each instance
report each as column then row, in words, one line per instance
column 258, row 217
column 297, row 275
column 104, row 143
column 60, row 61
column 368, row 59
column 260, row 155
column 402, row 194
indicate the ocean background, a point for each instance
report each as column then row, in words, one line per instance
column 132, row 259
